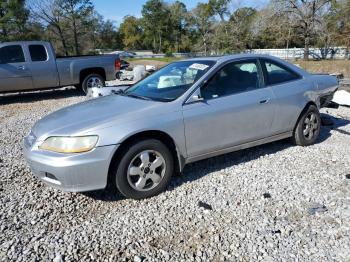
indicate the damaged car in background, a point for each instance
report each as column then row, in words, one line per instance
column 138, row 138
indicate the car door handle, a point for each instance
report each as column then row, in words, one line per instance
column 21, row 68
column 264, row 101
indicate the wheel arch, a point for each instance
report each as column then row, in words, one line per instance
column 162, row 136
column 92, row 70
column 308, row 104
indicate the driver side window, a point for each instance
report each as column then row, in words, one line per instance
column 11, row 54
column 233, row 78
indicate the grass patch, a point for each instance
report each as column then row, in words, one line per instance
column 326, row 66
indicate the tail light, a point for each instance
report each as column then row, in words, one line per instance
column 117, row 64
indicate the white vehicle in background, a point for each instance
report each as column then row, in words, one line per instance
column 124, row 54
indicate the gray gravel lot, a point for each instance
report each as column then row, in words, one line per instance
column 275, row 202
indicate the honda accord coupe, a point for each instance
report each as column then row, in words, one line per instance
column 136, row 139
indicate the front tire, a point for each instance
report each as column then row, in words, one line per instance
column 91, row 81
column 144, row 170
column 308, row 127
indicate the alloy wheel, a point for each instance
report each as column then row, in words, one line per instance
column 146, row 170
column 311, row 125
column 93, row 82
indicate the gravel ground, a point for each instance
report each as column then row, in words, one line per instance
column 275, row 202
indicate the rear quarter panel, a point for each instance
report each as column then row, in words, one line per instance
column 69, row 68
column 291, row 99
column 326, row 85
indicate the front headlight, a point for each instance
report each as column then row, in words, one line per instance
column 62, row 144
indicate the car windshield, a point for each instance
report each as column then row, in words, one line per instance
column 171, row 81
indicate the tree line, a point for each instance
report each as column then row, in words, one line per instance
column 212, row 27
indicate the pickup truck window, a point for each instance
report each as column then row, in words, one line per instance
column 11, row 54
column 37, row 53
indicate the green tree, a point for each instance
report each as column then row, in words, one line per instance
column 240, row 25
column 108, row 37
column 156, row 20
column 340, row 24
column 305, row 16
column 13, row 19
column 51, row 16
column 221, row 38
column 131, row 33
column 80, row 15
column 35, row 31
column 202, row 22
column 178, row 17
column 272, row 28
column 220, row 8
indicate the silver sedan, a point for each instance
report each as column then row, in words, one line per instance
column 189, row 110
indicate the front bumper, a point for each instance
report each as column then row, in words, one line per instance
column 70, row 172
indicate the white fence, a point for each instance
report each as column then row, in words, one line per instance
column 298, row 53
column 291, row 53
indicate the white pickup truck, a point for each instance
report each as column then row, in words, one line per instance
column 33, row 65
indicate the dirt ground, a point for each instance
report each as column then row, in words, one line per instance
column 327, row 66
column 275, row 202
column 156, row 63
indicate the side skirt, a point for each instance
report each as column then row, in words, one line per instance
column 240, row 147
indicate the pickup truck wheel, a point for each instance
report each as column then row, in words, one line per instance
column 90, row 81
column 145, row 169
column 308, row 127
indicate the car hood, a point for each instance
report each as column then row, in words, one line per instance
column 98, row 113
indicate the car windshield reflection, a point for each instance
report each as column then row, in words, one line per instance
column 170, row 82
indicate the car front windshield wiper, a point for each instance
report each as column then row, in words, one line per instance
column 122, row 92
column 137, row 96
column 118, row 92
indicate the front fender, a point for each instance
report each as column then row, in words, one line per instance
column 171, row 124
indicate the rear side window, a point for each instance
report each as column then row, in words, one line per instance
column 233, row 78
column 277, row 74
column 11, row 54
column 37, row 53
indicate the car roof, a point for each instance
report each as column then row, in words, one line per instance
column 23, row 42
column 225, row 58
column 230, row 57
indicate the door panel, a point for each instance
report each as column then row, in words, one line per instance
column 43, row 67
column 14, row 71
column 290, row 90
column 227, row 121
column 290, row 100
column 15, row 77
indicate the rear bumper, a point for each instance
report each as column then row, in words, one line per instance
column 73, row 172
column 326, row 99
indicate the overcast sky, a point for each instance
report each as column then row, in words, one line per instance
column 117, row 9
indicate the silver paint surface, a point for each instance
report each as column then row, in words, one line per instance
column 199, row 129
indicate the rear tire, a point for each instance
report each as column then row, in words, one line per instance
column 90, row 81
column 144, row 170
column 308, row 127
